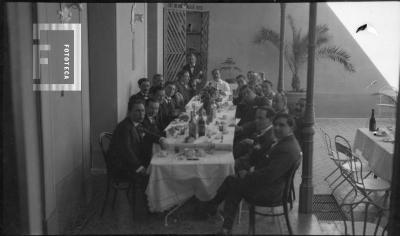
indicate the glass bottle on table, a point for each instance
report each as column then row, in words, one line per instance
column 201, row 124
column 192, row 126
column 372, row 121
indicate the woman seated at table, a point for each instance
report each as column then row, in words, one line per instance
column 182, row 85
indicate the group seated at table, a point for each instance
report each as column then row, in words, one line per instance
column 264, row 144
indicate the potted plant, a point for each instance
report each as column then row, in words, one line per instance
column 296, row 52
column 230, row 70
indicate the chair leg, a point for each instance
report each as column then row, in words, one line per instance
column 385, row 197
column 133, row 201
column 240, row 211
column 291, row 199
column 369, row 173
column 252, row 216
column 285, row 209
column 105, row 198
column 337, row 168
column 333, row 190
column 114, row 198
column 345, row 197
column 333, row 182
column 292, row 196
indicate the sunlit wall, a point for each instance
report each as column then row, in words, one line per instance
column 381, row 40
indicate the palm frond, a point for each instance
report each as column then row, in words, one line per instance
column 266, row 35
column 338, row 55
column 322, row 36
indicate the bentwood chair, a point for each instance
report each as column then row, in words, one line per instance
column 366, row 186
column 292, row 198
column 369, row 222
column 347, row 163
column 337, row 160
column 282, row 202
column 113, row 181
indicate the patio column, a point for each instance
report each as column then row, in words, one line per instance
column 281, row 48
column 394, row 218
column 306, row 186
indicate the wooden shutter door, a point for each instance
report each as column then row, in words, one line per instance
column 174, row 42
column 204, row 41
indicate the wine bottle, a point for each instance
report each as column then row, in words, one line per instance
column 201, row 124
column 192, row 126
column 372, row 121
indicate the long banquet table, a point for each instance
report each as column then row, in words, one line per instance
column 174, row 177
column 377, row 151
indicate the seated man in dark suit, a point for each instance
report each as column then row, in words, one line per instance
column 143, row 94
column 267, row 181
column 250, row 102
column 165, row 114
column 127, row 156
column 256, row 140
column 174, row 97
column 195, row 71
column 182, row 85
column 254, row 82
column 158, row 80
column 298, row 115
column 151, row 120
column 237, row 95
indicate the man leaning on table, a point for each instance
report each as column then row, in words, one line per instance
column 266, row 182
column 127, row 154
column 258, row 137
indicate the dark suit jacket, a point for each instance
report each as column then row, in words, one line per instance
column 126, row 152
column 153, row 127
column 268, row 180
column 249, row 110
column 240, row 106
column 249, row 156
column 164, row 115
column 138, row 95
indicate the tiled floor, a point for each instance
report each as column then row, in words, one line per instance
column 119, row 220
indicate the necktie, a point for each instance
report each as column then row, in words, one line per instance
column 140, row 131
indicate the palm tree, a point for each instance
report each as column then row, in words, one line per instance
column 296, row 52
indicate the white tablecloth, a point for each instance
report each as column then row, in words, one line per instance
column 378, row 153
column 173, row 181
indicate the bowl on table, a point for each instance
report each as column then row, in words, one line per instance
column 380, row 133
